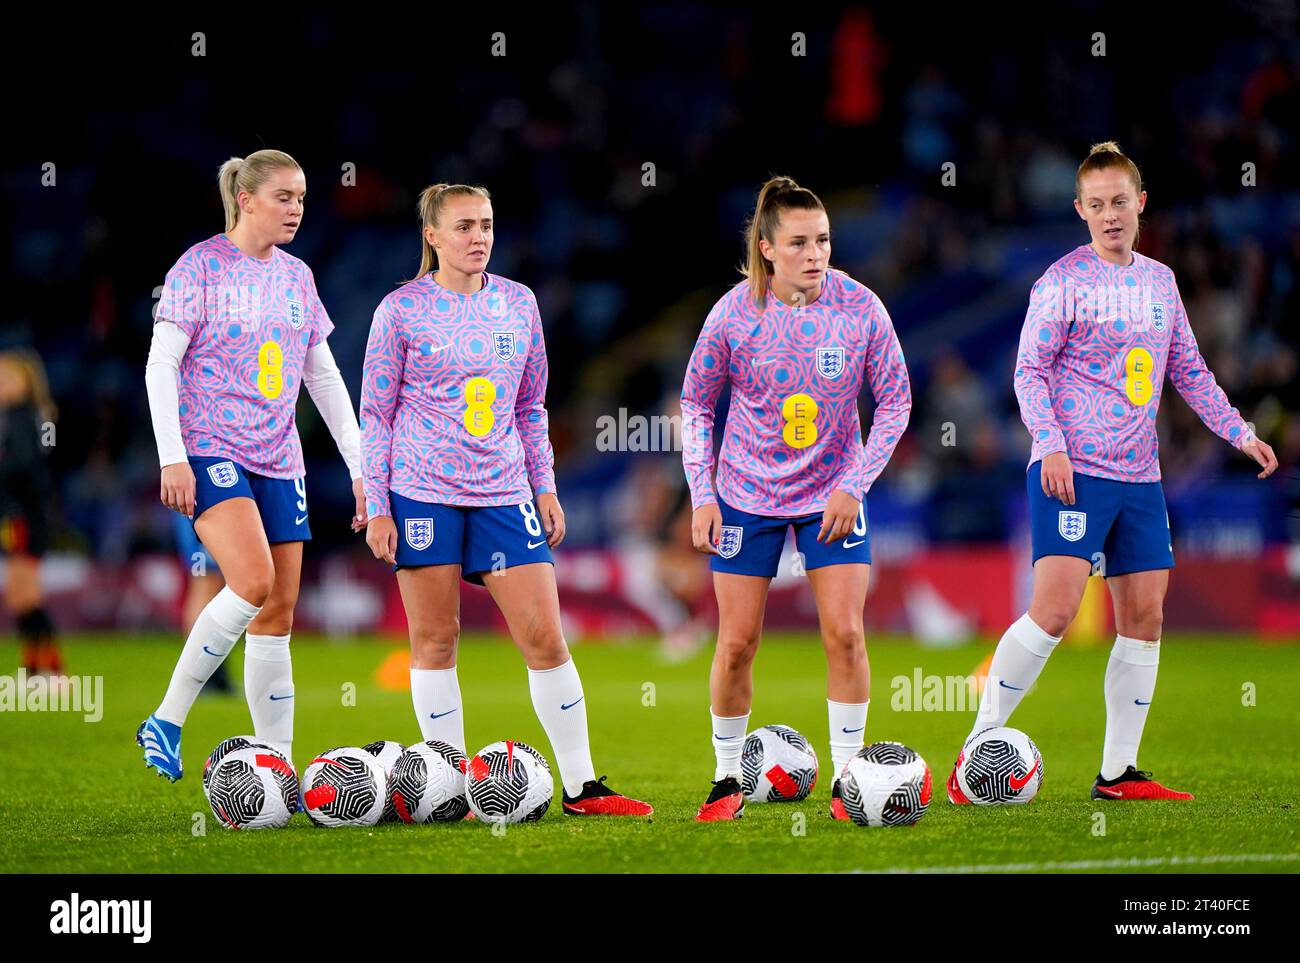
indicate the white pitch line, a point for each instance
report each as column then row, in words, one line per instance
column 1089, row 864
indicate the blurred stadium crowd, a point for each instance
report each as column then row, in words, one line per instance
column 626, row 258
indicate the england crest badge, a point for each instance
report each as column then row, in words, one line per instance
column 729, row 539
column 223, row 474
column 296, row 316
column 419, row 533
column 1156, row 315
column 830, row 362
column 1072, row 525
column 503, row 342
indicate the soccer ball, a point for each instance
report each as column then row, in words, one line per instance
column 344, row 787
column 427, row 784
column 508, row 782
column 885, row 784
column 777, row 765
column 253, row 787
column 229, row 745
column 387, row 752
column 1000, row 766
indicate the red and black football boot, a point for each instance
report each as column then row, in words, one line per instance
column 726, row 802
column 955, row 795
column 1134, row 784
column 837, row 803
column 597, row 799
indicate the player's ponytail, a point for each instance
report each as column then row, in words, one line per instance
column 430, row 208
column 777, row 195
column 247, row 174
column 1105, row 155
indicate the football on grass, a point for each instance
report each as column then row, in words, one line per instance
column 508, row 782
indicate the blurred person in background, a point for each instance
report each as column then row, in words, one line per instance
column 796, row 340
column 27, row 416
column 240, row 329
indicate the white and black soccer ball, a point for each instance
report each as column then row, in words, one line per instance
column 508, row 782
column 886, row 784
column 387, row 752
column 427, row 784
column 344, row 787
column 226, row 746
column 253, row 787
column 777, row 764
column 1000, row 766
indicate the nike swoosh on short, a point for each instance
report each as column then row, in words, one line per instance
column 1002, row 682
column 535, row 544
column 848, row 544
column 210, row 652
column 300, row 519
column 276, row 698
column 572, row 704
column 439, row 715
column 859, row 729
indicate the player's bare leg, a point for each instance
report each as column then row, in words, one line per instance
column 742, row 599
column 431, row 595
column 232, row 531
column 23, row 599
column 530, row 602
column 1059, row 582
column 841, row 594
column 1139, row 599
column 268, row 668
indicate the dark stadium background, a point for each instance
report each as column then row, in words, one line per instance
column 558, row 129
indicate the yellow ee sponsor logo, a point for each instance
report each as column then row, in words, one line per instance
column 800, row 414
column 479, row 395
column 270, row 369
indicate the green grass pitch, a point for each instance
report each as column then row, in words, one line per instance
column 76, row 797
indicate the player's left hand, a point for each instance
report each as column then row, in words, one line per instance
column 548, row 507
column 1262, row 453
column 839, row 518
column 359, row 519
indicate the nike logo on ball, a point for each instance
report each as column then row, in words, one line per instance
column 1019, row 784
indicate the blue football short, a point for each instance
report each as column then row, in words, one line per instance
column 479, row 539
column 1121, row 527
column 751, row 544
column 282, row 502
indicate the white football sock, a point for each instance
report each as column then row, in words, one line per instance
column 1019, row 657
column 728, row 743
column 214, row 634
column 1130, row 686
column 848, row 732
column 436, row 696
column 268, row 686
column 558, row 702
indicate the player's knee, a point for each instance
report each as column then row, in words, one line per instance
column 546, row 646
column 255, row 585
column 736, row 649
column 1053, row 617
column 845, row 643
column 1147, row 622
column 433, row 643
